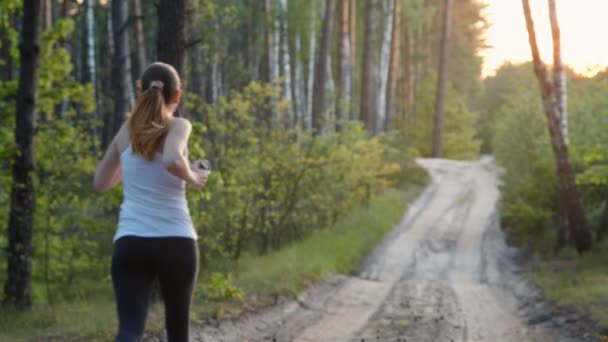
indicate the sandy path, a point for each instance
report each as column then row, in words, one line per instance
column 443, row 274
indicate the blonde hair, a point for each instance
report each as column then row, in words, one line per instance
column 148, row 122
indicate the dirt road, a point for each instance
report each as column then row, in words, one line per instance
column 443, row 274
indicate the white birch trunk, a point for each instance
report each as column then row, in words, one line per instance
column 383, row 68
column 311, row 68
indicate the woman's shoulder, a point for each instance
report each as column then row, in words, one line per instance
column 180, row 124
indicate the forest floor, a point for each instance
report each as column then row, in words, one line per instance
column 443, row 274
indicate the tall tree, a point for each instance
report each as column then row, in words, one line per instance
column 171, row 35
column 407, row 84
column 391, row 84
column 89, row 68
column 344, row 64
column 121, row 65
column 559, row 82
column 17, row 287
column 353, row 58
column 171, row 42
column 142, row 59
column 47, row 14
column 443, row 64
column 576, row 219
column 267, row 57
column 370, row 53
column 319, row 94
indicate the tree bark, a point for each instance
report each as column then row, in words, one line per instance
column 293, row 45
column 142, row 59
column 368, row 84
column 344, row 68
column 89, row 68
column 121, row 64
column 576, row 219
column 408, row 79
column 171, row 36
column 441, row 79
column 267, row 58
column 319, row 94
column 250, row 37
column 353, row 59
column 19, row 249
column 393, row 71
column 47, row 14
column 108, row 83
column 559, row 82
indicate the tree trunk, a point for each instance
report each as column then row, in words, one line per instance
column 46, row 9
column 319, row 94
column 267, row 65
column 293, row 41
column 559, row 82
column 142, row 59
column 89, row 68
column 171, row 39
column 407, row 85
column 121, row 65
column 441, row 79
column 19, row 249
column 393, row 71
column 383, row 68
column 368, row 84
column 108, row 84
column 576, row 219
column 343, row 70
column 559, row 73
column 310, row 70
column 353, row 59
column 250, row 37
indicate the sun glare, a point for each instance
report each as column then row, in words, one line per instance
column 582, row 24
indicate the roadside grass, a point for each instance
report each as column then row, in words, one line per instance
column 340, row 249
column 579, row 282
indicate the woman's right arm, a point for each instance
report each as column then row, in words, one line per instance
column 174, row 158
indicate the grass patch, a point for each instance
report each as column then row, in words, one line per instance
column 576, row 281
column 340, row 249
column 337, row 250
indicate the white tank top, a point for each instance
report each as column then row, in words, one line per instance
column 154, row 203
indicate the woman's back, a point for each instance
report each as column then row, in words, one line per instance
column 154, row 202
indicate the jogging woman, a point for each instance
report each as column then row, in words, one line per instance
column 155, row 236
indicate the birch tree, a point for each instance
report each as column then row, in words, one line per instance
column 576, row 219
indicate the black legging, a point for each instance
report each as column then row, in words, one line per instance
column 136, row 262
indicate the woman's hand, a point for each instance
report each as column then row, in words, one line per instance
column 199, row 176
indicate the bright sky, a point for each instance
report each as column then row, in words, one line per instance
column 583, row 26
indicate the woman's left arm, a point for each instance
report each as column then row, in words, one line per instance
column 108, row 173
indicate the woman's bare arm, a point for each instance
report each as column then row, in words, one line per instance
column 174, row 157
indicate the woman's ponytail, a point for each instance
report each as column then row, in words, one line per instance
column 148, row 122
